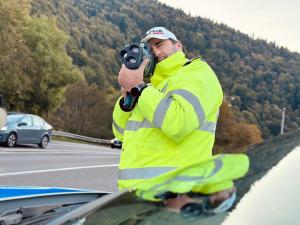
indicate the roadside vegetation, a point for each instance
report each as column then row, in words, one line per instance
column 59, row 59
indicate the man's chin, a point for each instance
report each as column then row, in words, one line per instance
column 159, row 60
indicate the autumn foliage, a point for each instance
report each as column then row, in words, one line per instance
column 86, row 111
column 233, row 135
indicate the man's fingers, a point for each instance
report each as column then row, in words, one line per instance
column 144, row 63
column 123, row 92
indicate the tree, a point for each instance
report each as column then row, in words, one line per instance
column 34, row 66
column 86, row 111
column 53, row 70
column 15, row 58
column 232, row 135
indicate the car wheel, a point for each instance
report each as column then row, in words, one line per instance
column 11, row 140
column 44, row 142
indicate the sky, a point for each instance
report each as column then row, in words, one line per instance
column 271, row 20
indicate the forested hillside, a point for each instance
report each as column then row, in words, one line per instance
column 60, row 59
column 34, row 66
column 259, row 78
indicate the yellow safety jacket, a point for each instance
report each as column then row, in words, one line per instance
column 172, row 125
column 210, row 176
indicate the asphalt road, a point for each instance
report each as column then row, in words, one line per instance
column 61, row 164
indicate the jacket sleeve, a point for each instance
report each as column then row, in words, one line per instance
column 191, row 101
column 119, row 120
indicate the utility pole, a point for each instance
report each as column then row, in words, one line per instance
column 282, row 121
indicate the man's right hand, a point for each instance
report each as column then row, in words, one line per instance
column 129, row 78
column 123, row 92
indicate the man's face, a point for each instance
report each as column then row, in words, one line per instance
column 163, row 48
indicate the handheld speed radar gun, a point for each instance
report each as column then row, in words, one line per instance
column 132, row 56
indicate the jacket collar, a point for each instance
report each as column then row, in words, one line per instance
column 168, row 67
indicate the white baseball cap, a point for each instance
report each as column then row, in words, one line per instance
column 159, row 33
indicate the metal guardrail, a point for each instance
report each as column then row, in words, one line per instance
column 83, row 138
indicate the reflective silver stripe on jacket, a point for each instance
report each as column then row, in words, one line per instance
column 208, row 126
column 143, row 173
column 218, row 165
column 164, row 88
column 200, row 179
column 135, row 125
column 118, row 128
column 163, row 106
column 161, row 111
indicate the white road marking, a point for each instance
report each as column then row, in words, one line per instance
column 54, row 170
column 52, row 152
column 77, row 145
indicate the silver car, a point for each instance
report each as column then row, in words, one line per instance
column 25, row 129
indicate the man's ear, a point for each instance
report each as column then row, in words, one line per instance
column 178, row 45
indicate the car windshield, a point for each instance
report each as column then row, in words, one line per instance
column 282, row 155
column 13, row 118
column 125, row 208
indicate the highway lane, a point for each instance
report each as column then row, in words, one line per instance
column 62, row 164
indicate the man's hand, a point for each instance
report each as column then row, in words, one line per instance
column 123, row 92
column 129, row 78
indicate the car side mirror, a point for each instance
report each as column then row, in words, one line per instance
column 22, row 124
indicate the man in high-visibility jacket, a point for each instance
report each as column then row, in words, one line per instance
column 172, row 126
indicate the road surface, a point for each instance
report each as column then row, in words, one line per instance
column 61, row 164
